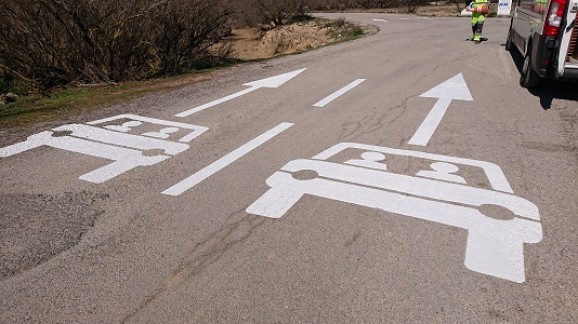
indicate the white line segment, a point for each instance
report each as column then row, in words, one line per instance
column 431, row 122
column 338, row 93
column 216, row 102
column 272, row 83
column 226, row 160
column 452, row 89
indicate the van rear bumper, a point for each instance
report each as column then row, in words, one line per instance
column 570, row 74
column 542, row 53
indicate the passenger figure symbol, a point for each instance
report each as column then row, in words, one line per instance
column 443, row 171
column 372, row 160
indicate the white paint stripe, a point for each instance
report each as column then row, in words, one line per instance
column 226, row 160
column 379, row 19
column 272, row 82
column 493, row 172
column 338, row 93
column 431, row 122
column 147, row 120
column 216, row 102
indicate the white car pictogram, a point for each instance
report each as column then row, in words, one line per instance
column 494, row 246
column 113, row 142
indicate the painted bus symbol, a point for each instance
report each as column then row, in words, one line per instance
column 117, row 139
column 494, row 246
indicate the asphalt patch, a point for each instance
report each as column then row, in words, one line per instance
column 37, row 227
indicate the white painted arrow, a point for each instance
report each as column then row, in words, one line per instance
column 453, row 89
column 272, row 82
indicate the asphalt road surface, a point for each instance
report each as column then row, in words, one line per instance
column 404, row 177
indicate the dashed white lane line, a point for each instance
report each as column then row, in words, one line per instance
column 338, row 93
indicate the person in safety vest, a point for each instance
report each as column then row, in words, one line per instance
column 540, row 6
column 479, row 9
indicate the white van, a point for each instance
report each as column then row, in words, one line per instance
column 544, row 32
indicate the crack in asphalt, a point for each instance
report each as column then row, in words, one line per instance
column 352, row 129
column 371, row 123
column 238, row 228
column 350, row 242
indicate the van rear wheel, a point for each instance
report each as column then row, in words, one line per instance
column 529, row 78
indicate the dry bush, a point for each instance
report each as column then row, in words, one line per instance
column 271, row 12
column 56, row 42
column 351, row 4
column 413, row 5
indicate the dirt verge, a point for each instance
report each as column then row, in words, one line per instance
column 260, row 43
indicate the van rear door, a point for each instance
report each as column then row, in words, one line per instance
column 568, row 58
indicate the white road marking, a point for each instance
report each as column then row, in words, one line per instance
column 136, row 121
column 495, row 246
column 216, row 102
column 226, row 160
column 379, row 20
column 272, row 82
column 493, row 172
column 338, row 93
column 453, row 89
column 114, row 142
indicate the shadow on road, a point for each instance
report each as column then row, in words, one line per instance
column 548, row 90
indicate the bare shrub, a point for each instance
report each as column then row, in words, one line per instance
column 340, row 22
column 351, row 4
column 56, row 42
column 272, row 12
column 413, row 5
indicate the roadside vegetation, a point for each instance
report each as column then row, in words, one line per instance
column 60, row 55
column 50, row 43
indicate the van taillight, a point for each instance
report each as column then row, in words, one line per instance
column 554, row 17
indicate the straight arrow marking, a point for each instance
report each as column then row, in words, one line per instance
column 430, row 124
column 453, row 89
column 272, row 82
